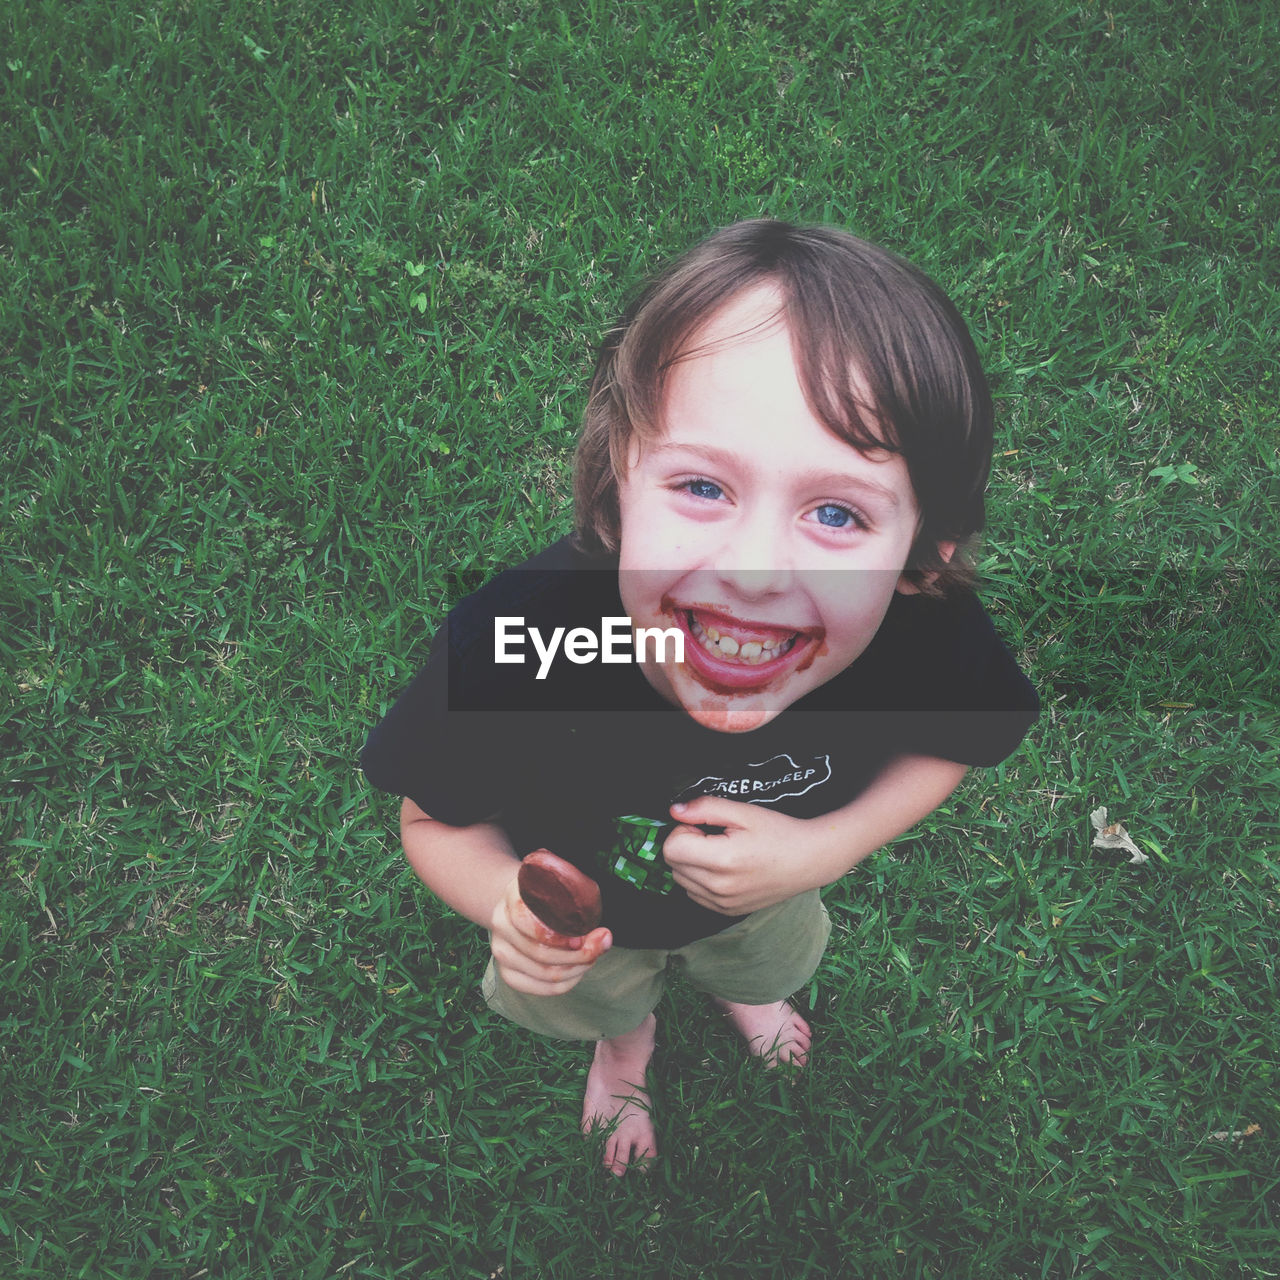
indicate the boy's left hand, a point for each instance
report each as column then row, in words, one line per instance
column 762, row 857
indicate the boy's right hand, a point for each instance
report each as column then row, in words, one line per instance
column 533, row 958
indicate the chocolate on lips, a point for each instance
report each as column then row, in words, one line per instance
column 717, row 641
column 562, row 897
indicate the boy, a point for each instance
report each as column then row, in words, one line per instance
column 785, row 450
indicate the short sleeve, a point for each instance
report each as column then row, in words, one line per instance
column 451, row 764
column 969, row 701
column 460, row 740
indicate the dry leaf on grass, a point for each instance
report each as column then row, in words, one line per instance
column 1113, row 836
column 1235, row 1135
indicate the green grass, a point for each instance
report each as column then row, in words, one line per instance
column 296, row 307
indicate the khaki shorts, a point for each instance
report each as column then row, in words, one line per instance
column 759, row 960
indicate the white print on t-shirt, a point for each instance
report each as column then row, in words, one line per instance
column 770, row 780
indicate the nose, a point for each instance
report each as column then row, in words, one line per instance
column 755, row 559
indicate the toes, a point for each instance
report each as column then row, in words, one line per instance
column 789, row 1056
column 622, row 1155
column 791, row 1048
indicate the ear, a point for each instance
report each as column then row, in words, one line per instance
column 907, row 587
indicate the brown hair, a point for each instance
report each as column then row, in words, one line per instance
column 859, row 317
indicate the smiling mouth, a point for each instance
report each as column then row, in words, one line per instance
column 751, row 646
column 731, row 656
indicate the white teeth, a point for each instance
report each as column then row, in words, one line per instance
column 750, row 653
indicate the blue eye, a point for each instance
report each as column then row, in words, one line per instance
column 704, row 489
column 835, row 517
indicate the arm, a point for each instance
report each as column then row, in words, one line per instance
column 764, row 857
column 468, row 868
column 473, row 870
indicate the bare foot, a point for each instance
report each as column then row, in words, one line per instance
column 616, row 1092
column 775, row 1033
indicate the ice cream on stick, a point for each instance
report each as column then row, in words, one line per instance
column 561, row 896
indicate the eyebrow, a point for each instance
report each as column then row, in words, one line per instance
column 810, row 479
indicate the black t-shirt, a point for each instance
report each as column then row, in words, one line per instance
column 587, row 760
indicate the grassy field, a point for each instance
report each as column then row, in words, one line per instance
column 296, row 306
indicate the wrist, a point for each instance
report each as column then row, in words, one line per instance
column 828, row 851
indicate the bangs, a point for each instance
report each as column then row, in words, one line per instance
column 839, row 384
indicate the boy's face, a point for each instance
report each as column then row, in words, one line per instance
column 773, row 545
